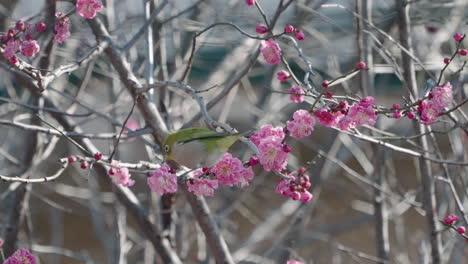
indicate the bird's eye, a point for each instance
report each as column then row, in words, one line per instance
column 166, row 148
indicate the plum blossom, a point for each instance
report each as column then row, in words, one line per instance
column 297, row 94
column 11, row 48
column 346, row 123
column 302, row 124
column 363, row 113
column 162, row 180
column 296, row 187
column 261, row 29
column 271, row 51
column 299, row 34
column 21, row 256
column 283, row 76
column 201, row 186
column 450, row 219
column 88, row 8
column 442, row 95
column 458, row 36
column 272, row 154
column 328, row 118
column 29, row 48
column 230, row 170
column 265, row 131
column 61, row 28
column 429, row 111
column 120, row 175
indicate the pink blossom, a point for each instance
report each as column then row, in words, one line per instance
column 361, row 65
column 162, row 180
column 11, row 48
column 88, row 8
column 458, row 36
column 271, row 51
column 250, row 2
column 396, row 114
column 253, row 161
column 450, row 219
column 447, row 60
column 247, row 175
column 29, row 48
column 283, row 76
column 328, row 118
column 302, row 124
column 442, row 96
column 346, row 123
column 271, row 153
column 289, row 28
column 20, row 25
column 201, row 186
column 266, row 131
column 61, row 28
column 463, row 52
column 21, row 256
column 41, row 26
column 296, row 187
column 261, row 29
column 363, row 113
column 328, row 94
column 429, row 111
column 410, row 115
column 119, row 174
column 299, row 34
column 228, row 170
column 461, row 230
column 297, row 94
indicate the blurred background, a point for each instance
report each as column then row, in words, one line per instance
column 77, row 218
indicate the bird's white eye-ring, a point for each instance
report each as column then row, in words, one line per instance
column 166, row 148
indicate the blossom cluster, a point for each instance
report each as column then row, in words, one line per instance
column 296, row 187
column 119, row 174
column 20, row 39
column 21, row 256
column 450, row 221
column 441, row 97
column 346, row 117
column 273, row 153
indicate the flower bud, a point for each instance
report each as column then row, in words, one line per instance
column 289, row 28
column 261, row 29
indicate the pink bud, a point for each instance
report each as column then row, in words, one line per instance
column 84, row 164
column 28, row 36
column 71, row 159
column 463, row 52
column 250, row 2
column 450, row 219
column 410, row 115
column 111, row 171
column 325, row 84
column 396, row 114
column 446, row 60
column 172, row 170
column 301, row 170
column 283, row 76
column 430, row 95
column 395, row 106
column 20, row 25
column 11, row 32
column 261, row 29
column 458, row 36
column 343, row 105
column 296, row 196
column 299, row 34
column 97, row 155
column 306, row 196
column 361, row 65
column 461, row 230
column 204, row 169
column 254, row 160
column 289, row 28
column 41, row 26
column 14, row 60
column 328, row 94
column 431, row 29
column 286, row 148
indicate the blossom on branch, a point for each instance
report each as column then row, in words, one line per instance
column 296, row 188
column 29, row 48
column 272, row 154
column 271, row 51
column 61, row 28
column 120, row 175
column 297, row 94
column 162, row 180
column 88, row 8
column 21, row 256
column 302, row 124
column 200, row 185
column 230, row 170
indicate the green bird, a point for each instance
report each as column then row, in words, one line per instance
column 197, row 147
